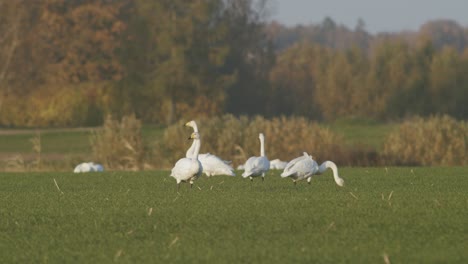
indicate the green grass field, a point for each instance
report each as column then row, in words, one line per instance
column 394, row 215
column 61, row 149
column 64, row 141
column 362, row 132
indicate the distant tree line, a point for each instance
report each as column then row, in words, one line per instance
column 71, row 63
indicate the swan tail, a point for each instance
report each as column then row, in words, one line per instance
column 227, row 170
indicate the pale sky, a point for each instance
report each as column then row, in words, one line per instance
column 378, row 15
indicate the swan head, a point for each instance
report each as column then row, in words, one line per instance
column 191, row 124
column 261, row 136
column 194, row 135
column 340, row 182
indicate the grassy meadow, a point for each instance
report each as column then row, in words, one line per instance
column 362, row 132
column 63, row 141
column 382, row 215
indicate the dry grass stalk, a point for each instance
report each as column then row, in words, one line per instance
column 118, row 144
column 236, row 139
column 438, row 140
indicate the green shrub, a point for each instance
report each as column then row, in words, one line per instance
column 236, row 139
column 118, row 145
column 439, row 140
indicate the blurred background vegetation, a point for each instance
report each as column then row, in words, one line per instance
column 70, row 64
column 127, row 144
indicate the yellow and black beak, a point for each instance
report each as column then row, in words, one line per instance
column 191, row 136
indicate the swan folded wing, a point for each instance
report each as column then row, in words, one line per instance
column 255, row 166
column 304, row 167
column 213, row 165
column 277, row 164
column 206, row 156
column 209, row 158
column 185, row 169
column 250, row 162
column 88, row 167
column 290, row 167
column 263, row 163
column 248, row 166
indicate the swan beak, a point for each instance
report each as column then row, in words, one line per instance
column 188, row 123
column 192, row 136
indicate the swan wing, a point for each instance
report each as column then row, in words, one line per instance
column 84, row 167
column 277, row 164
column 290, row 167
column 185, row 169
column 213, row 165
column 256, row 166
column 263, row 164
column 249, row 166
column 300, row 166
column 78, row 168
column 98, row 167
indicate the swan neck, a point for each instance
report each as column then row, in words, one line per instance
column 195, row 127
column 331, row 165
column 262, row 147
column 191, row 150
column 196, row 150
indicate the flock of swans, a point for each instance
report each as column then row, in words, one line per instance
column 191, row 167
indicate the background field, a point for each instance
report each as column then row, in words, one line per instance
column 403, row 215
column 62, row 149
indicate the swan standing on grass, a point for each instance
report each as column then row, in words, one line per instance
column 304, row 167
column 257, row 166
column 212, row 165
column 189, row 169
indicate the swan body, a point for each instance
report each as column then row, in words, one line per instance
column 277, row 164
column 304, row 167
column 257, row 165
column 188, row 169
column 212, row 164
column 88, row 167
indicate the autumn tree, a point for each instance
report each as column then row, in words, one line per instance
column 448, row 82
column 444, row 32
column 341, row 86
column 20, row 63
column 294, row 81
column 251, row 56
column 180, row 51
column 66, row 53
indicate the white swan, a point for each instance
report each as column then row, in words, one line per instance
column 212, row 164
column 88, row 167
column 304, row 167
column 257, row 166
column 189, row 169
column 277, row 164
